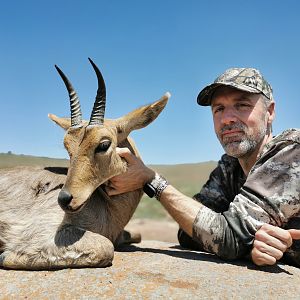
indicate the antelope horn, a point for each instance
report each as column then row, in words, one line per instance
column 76, row 115
column 97, row 115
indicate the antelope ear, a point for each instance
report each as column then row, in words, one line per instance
column 64, row 123
column 140, row 117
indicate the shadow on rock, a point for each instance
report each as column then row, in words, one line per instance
column 179, row 252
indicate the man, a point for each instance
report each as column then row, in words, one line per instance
column 251, row 202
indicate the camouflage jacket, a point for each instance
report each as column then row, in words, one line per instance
column 236, row 206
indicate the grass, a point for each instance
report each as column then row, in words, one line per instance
column 187, row 178
column 12, row 160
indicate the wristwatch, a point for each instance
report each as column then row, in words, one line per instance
column 155, row 187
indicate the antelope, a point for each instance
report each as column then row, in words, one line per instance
column 82, row 231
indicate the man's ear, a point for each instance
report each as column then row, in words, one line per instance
column 140, row 117
column 64, row 123
column 271, row 111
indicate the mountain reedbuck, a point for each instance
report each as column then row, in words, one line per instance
column 35, row 232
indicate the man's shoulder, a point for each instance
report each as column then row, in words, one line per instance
column 292, row 134
column 280, row 141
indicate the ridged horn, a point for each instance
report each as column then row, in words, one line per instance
column 76, row 115
column 97, row 115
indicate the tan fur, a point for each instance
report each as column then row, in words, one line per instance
column 35, row 233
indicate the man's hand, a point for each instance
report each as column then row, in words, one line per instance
column 134, row 178
column 271, row 242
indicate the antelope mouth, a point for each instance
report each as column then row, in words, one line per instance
column 77, row 209
column 100, row 189
column 71, row 210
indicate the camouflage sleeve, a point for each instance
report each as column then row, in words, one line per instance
column 270, row 195
column 222, row 186
column 213, row 234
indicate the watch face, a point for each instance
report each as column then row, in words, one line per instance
column 149, row 190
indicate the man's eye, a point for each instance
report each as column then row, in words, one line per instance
column 218, row 109
column 103, row 146
column 243, row 105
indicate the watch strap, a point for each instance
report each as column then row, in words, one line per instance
column 156, row 186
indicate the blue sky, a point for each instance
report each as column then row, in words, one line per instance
column 143, row 48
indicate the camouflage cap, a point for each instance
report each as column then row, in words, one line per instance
column 245, row 79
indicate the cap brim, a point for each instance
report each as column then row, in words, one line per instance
column 204, row 97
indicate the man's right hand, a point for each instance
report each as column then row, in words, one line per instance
column 270, row 243
column 136, row 176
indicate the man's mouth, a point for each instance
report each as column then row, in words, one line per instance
column 232, row 133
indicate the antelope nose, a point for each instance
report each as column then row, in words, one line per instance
column 64, row 199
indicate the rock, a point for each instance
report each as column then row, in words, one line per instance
column 156, row 270
column 159, row 230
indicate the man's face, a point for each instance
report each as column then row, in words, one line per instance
column 240, row 120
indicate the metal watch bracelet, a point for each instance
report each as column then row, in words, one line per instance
column 156, row 186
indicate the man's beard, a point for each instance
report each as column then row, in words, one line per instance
column 241, row 146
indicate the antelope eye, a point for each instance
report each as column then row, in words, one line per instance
column 103, row 146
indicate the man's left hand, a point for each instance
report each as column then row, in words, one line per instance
column 270, row 243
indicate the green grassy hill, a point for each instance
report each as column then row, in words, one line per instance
column 188, row 178
column 12, row 160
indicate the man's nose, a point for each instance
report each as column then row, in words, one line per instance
column 229, row 116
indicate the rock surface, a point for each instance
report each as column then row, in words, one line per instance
column 156, row 270
column 158, row 230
